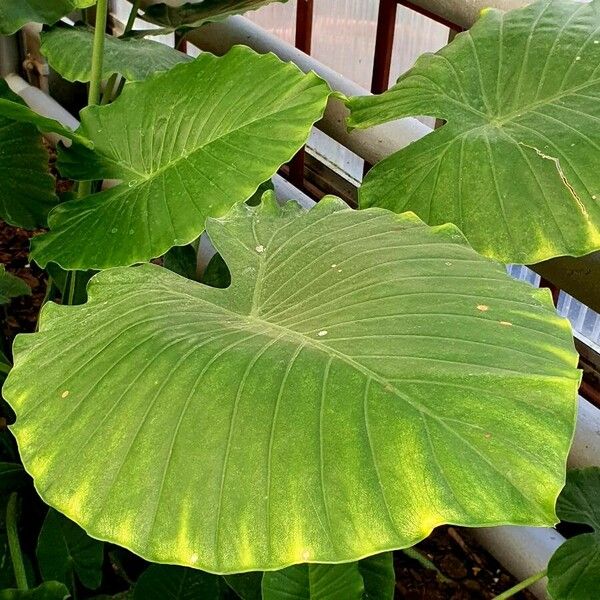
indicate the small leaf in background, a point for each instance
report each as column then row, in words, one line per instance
column 187, row 144
column 167, row 582
column 246, row 585
column 15, row 13
column 135, row 59
column 216, row 273
column 12, row 477
column 64, row 548
column 182, row 260
column 574, row 569
column 362, row 338
column 378, row 575
column 27, row 190
column 314, row 582
column 11, row 286
column 51, row 590
column 515, row 166
column 197, row 12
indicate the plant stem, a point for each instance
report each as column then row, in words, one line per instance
column 98, row 52
column 521, row 586
column 85, row 187
column 132, row 16
column 109, row 91
column 424, row 562
column 4, row 368
column 13, row 542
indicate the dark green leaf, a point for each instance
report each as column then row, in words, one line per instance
column 135, row 59
column 516, row 165
column 378, row 575
column 182, row 260
column 64, row 548
column 314, row 582
column 15, row 13
column 51, row 590
column 188, row 143
column 579, row 502
column 12, row 477
column 574, row 569
column 11, row 286
column 357, row 338
column 196, row 13
column 246, row 585
column 27, row 189
column 166, row 582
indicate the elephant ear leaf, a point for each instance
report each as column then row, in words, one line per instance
column 515, row 164
column 27, row 190
column 186, row 144
column 135, row 59
column 574, row 569
column 15, row 13
column 198, row 12
column 361, row 338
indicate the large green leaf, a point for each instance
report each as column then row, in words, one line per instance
column 64, row 549
column 364, row 379
column 187, row 144
column 135, row 59
column 516, row 164
column 167, row 582
column 11, row 286
column 314, row 582
column 27, row 188
column 15, row 13
column 574, row 569
column 196, row 13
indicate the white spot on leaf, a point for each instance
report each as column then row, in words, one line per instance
column 260, row 248
column 64, row 394
column 322, row 333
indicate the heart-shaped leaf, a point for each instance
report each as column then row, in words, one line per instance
column 135, row 59
column 362, row 380
column 64, row 550
column 196, row 13
column 167, row 582
column 27, row 189
column 574, row 569
column 187, row 144
column 314, row 582
column 15, row 13
column 11, row 286
column 516, row 165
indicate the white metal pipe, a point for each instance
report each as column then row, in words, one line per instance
column 523, row 551
column 372, row 144
column 44, row 105
column 464, row 12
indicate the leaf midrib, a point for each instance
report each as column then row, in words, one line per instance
column 146, row 177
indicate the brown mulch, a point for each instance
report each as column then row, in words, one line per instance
column 473, row 574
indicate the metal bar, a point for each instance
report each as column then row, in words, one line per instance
column 422, row 10
column 303, row 41
column 304, row 25
column 384, row 44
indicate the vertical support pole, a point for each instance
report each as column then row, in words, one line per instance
column 384, row 42
column 303, row 41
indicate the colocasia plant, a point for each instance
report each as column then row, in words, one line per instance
column 345, row 380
